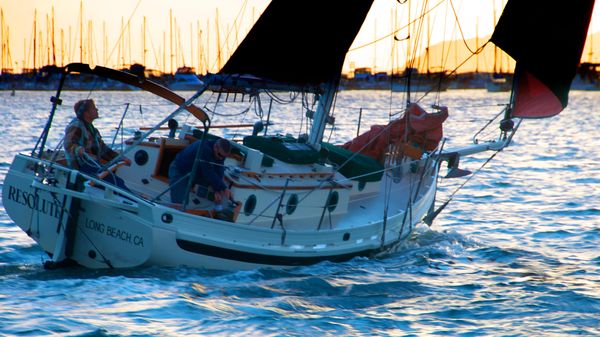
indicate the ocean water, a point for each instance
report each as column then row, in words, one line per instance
column 515, row 253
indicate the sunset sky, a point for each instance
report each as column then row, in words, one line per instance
column 194, row 23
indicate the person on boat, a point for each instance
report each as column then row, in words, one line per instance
column 84, row 148
column 209, row 173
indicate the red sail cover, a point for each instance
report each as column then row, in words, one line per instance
column 546, row 38
column 424, row 130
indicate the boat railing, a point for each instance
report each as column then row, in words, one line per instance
column 112, row 195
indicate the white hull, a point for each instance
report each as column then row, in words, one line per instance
column 123, row 231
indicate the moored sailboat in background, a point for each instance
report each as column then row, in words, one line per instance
column 298, row 199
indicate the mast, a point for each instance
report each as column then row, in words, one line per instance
column 8, row 56
column 495, row 47
column 81, row 31
column 428, row 44
column 5, row 44
column 408, row 67
column 47, row 40
column 321, row 116
column 53, row 44
column 199, row 35
column 178, row 47
column 591, row 53
column 144, row 42
column 477, row 45
column 121, row 52
column 90, row 53
column 70, row 45
column 62, row 47
column 375, row 48
column 104, row 44
column 34, row 38
column 164, row 63
column 129, row 62
column 41, row 46
column 219, row 56
column 2, row 39
column 171, row 39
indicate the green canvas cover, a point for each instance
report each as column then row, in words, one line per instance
column 286, row 149
column 359, row 165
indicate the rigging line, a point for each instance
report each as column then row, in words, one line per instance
column 120, row 127
column 264, row 210
column 387, row 194
column 276, row 98
column 335, row 96
column 389, row 168
column 31, row 216
column 62, row 206
column 325, row 207
column 215, row 113
column 385, row 129
column 305, row 109
column 318, row 187
column 258, row 109
column 397, row 30
column 462, row 34
column 233, row 27
column 155, row 52
column 406, row 210
column 466, row 181
column 453, row 72
column 419, row 33
column 444, row 59
column 123, row 30
column 489, row 122
column 238, row 131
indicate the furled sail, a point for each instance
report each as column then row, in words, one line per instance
column 546, row 38
column 301, row 43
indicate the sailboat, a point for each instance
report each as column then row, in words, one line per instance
column 297, row 200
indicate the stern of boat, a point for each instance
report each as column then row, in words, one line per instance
column 95, row 225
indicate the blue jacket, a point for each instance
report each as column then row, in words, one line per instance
column 210, row 170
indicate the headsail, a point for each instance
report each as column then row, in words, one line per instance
column 546, row 38
column 301, row 43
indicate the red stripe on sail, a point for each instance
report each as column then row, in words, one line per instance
column 533, row 99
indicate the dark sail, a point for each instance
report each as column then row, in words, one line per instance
column 302, row 43
column 546, row 38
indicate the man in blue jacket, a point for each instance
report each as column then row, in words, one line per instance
column 209, row 172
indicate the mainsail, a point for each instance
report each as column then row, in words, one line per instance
column 546, row 39
column 301, row 43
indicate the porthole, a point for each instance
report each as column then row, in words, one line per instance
column 292, row 204
column 141, row 157
column 332, row 201
column 250, row 205
column 167, row 218
column 361, row 185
